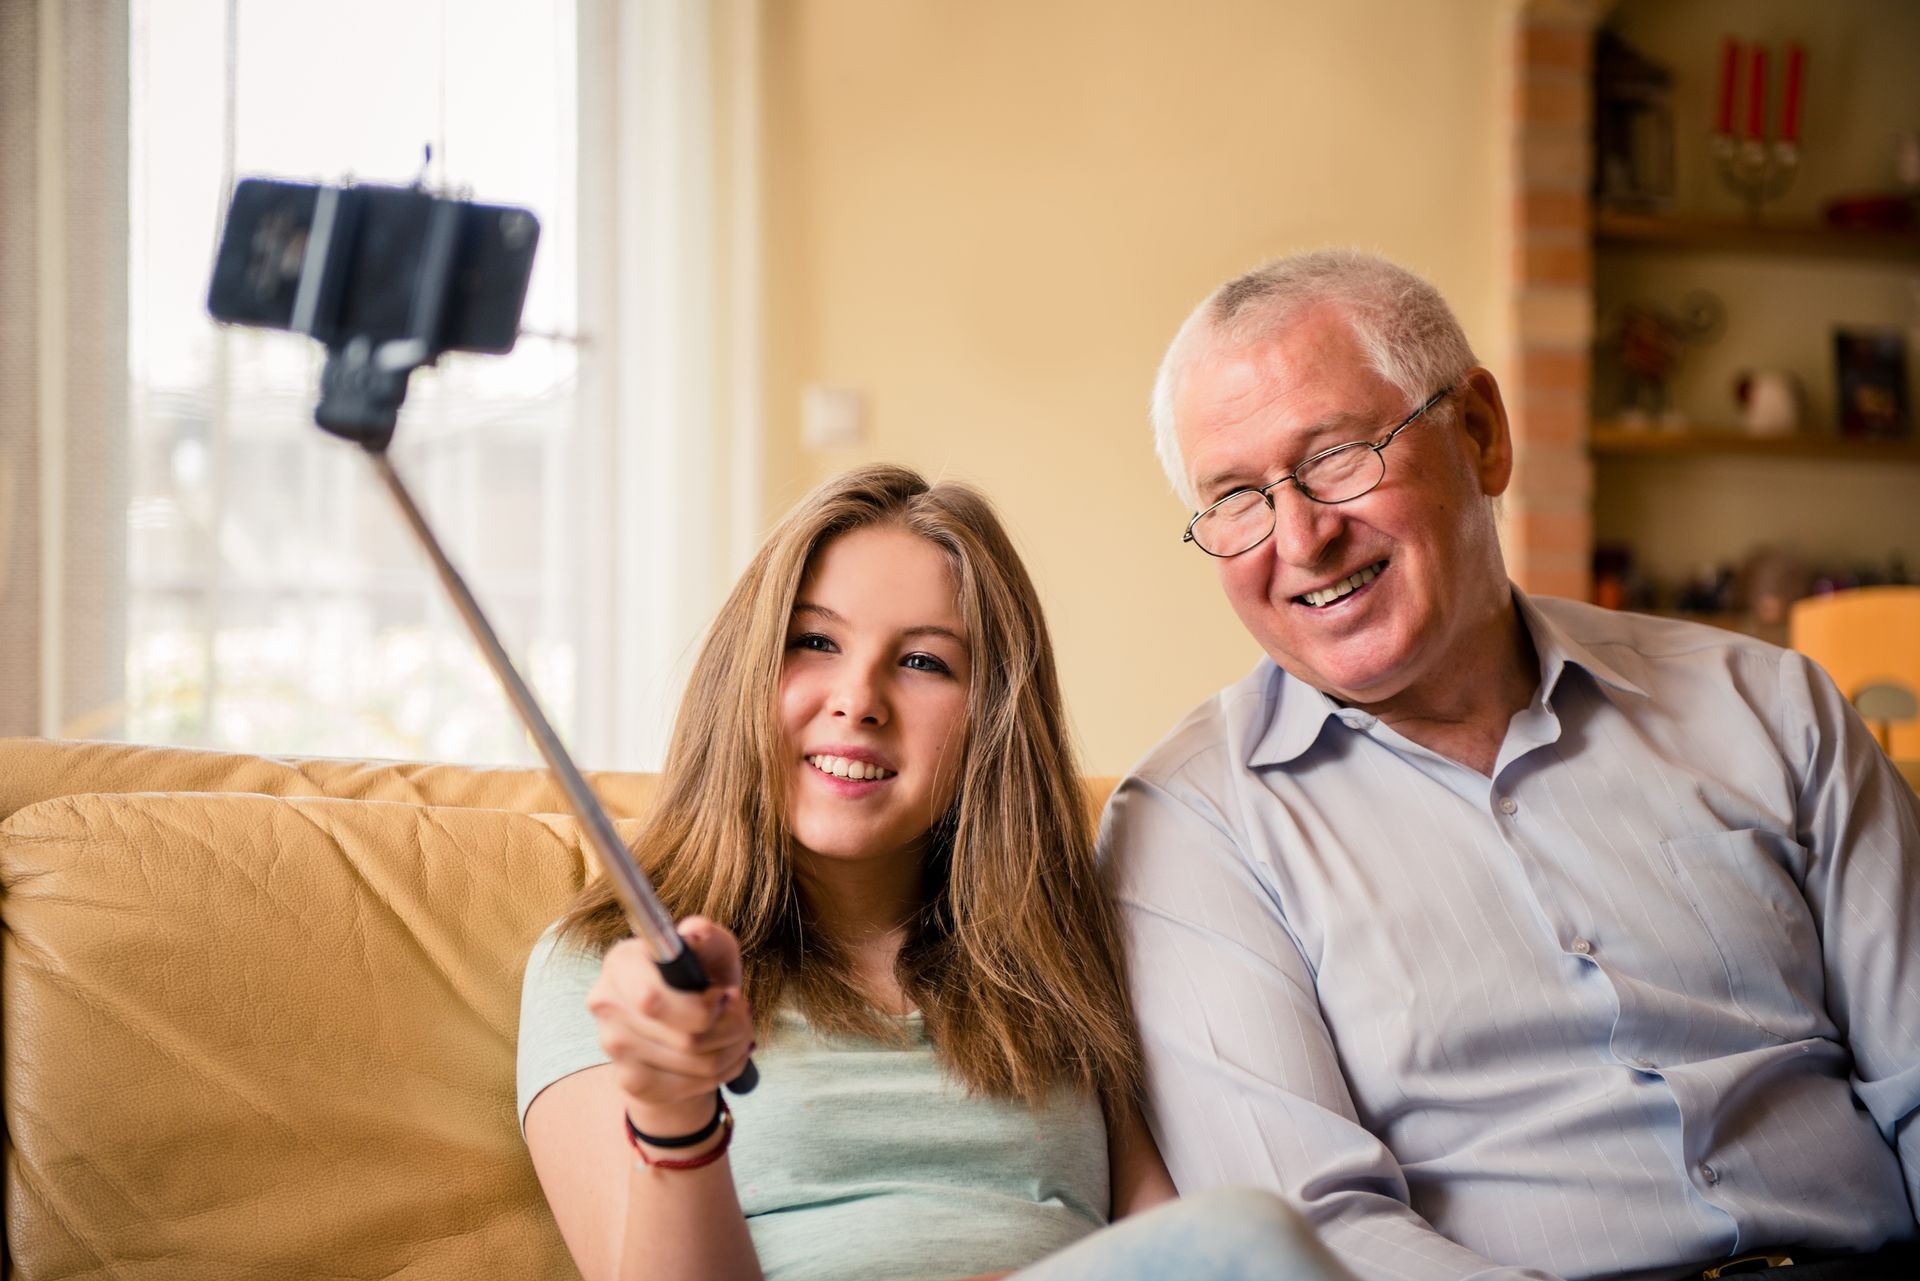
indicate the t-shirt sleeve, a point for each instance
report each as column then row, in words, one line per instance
column 557, row 1035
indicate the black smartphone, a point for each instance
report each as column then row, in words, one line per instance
column 380, row 263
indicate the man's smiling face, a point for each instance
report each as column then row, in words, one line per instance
column 1369, row 599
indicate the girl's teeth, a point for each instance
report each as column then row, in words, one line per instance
column 841, row 767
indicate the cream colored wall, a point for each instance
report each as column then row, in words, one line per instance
column 991, row 216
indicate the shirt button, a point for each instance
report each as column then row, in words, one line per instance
column 1582, row 947
column 1708, row 1174
column 1508, row 805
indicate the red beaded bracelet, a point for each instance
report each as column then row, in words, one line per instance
column 723, row 1118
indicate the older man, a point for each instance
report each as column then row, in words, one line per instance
column 1505, row 935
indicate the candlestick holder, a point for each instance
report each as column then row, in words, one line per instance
column 1757, row 171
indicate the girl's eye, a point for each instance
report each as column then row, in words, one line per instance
column 810, row 640
column 926, row 663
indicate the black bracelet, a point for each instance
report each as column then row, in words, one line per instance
column 700, row 1135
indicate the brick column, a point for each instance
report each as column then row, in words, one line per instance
column 1549, row 526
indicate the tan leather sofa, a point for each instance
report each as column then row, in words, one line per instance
column 257, row 1016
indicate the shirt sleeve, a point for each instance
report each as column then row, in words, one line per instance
column 558, row 1037
column 1244, row 1086
column 1860, row 824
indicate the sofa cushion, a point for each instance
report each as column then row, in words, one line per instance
column 249, row 1036
column 36, row 769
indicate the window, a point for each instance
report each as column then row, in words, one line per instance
column 274, row 601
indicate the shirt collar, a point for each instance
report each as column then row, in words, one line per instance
column 1296, row 712
column 1556, row 650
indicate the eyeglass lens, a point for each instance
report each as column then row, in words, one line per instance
column 1242, row 520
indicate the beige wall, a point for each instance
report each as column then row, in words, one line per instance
column 990, row 216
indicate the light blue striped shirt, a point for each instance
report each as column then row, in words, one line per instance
column 1646, row 998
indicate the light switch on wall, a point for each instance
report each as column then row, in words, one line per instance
column 832, row 417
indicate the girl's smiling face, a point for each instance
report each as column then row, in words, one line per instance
column 873, row 695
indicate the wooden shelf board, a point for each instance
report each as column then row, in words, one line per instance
column 1805, row 240
column 1610, row 440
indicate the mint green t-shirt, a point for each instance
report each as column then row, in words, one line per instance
column 857, row 1160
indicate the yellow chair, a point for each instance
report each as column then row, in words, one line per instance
column 1869, row 642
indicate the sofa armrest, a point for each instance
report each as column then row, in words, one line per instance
column 252, row 1036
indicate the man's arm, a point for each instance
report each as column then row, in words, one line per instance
column 1244, row 1085
column 1860, row 822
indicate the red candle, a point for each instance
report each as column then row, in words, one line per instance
column 1790, row 110
column 1757, row 96
column 1729, row 72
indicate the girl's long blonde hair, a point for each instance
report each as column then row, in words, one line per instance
column 1014, row 957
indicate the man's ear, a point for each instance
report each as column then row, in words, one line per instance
column 1483, row 417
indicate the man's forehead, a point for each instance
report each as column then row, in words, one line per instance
column 1300, row 385
column 1313, row 350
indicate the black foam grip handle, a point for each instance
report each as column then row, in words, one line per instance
column 684, row 973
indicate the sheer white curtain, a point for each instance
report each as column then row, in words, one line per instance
column 589, row 485
column 63, row 367
column 672, row 230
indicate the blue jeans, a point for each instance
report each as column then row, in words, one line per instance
column 1227, row 1234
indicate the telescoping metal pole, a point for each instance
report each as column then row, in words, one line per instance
column 678, row 963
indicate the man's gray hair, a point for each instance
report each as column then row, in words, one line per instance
column 1404, row 326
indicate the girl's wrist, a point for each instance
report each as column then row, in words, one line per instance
column 664, row 1153
column 671, row 1120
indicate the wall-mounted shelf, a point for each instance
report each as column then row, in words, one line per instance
column 1610, row 440
column 1806, row 241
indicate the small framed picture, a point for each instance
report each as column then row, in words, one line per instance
column 1870, row 371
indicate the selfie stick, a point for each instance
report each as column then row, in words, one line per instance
column 290, row 258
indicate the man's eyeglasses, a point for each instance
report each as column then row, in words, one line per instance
column 1243, row 519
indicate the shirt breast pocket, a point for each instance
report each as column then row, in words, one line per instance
column 1740, row 886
